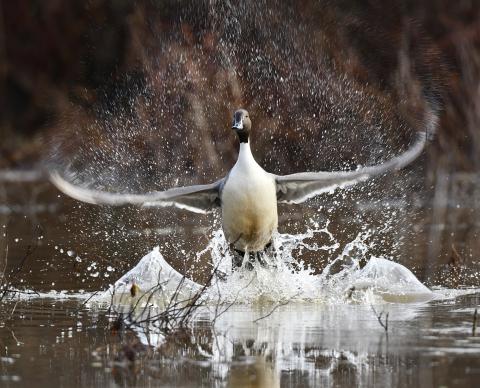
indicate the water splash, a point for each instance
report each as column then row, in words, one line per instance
column 280, row 275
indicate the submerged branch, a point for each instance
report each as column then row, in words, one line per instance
column 272, row 311
column 379, row 318
column 177, row 313
column 474, row 323
column 6, row 280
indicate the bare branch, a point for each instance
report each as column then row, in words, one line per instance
column 474, row 323
column 273, row 310
column 379, row 318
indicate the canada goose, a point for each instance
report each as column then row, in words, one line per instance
column 248, row 195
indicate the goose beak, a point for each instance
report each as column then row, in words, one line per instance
column 238, row 125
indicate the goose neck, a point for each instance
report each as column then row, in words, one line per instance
column 245, row 151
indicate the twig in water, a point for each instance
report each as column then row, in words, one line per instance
column 14, row 308
column 31, row 248
column 15, row 338
column 6, row 281
column 379, row 318
column 4, row 270
column 272, row 311
column 474, row 324
column 3, row 276
column 85, row 302
column 218, row 314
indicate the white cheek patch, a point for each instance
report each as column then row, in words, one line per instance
column 238, row 124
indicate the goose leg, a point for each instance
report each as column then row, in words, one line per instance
column 239, row 257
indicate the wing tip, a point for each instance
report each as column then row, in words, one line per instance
column 69, row 189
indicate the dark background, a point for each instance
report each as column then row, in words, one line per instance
column 98, row 55
column 139, row 96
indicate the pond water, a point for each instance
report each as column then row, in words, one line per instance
column 314, row 321
column 51, row 342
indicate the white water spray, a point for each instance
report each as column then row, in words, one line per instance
column 282, row 276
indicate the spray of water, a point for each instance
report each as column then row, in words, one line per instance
column 281, row 276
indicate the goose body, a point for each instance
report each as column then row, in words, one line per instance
column 248, row 195
column 249, row 204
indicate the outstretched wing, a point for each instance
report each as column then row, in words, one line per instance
column 198, row 199
column 297, row 188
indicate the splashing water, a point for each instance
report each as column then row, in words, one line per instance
column 281, row 276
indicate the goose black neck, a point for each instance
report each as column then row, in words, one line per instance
column 242, row 136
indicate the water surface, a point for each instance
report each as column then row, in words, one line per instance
column 63, row 255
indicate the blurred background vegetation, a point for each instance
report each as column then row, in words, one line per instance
column 139, row 95
column 61, row 62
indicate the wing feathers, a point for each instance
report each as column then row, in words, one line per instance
column 297, row 188
column 199, row 199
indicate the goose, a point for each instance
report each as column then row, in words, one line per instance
column 247, row 195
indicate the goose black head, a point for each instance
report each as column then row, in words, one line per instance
column 242, row 125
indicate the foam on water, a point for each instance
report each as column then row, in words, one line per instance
column 281, row 277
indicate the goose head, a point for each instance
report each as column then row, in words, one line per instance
column 242, row 125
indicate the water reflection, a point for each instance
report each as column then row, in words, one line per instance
column 308, row 345
column 51, row 342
